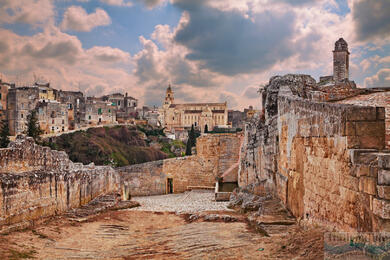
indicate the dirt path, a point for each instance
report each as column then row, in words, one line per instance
column 135, row 234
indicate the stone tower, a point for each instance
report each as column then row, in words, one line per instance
column 340, row 61
column 168, row 97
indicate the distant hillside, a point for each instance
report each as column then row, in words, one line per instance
column 116, row 146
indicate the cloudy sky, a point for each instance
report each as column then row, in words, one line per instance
column 210, row 50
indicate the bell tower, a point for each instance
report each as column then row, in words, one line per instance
column 169, row 99
column 340, row 61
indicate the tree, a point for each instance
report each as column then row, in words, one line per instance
column 206, row 129
column 4, row 135
column 33, row 129
column 188, row 148
column 191, row 142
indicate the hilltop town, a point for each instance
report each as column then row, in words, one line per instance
column 312, row 165
column 60, row 111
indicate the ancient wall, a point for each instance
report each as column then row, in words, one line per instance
column 306, row 154
column 216, row 154
column 381, row 98
column 38, row 182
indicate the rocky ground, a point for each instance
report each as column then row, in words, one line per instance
column 188, row 202
column 192, row 226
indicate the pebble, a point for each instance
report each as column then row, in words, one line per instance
column 194, row 201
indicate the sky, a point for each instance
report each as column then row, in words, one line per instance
column 209, row 50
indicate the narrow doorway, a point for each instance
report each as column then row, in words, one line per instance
column 170, row 185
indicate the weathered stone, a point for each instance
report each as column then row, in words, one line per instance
column 384, row 177
column 367, row 185
column 62, row 185
column 376, row 128
column 384, row 161
column 383, row 192
column 381, row 208
column 361, row 114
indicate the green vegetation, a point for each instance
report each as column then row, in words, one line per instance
column 116, row 146
column 33, row 129
column 151, row 131
column 4, row 134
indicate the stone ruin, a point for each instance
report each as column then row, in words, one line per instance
column 38, row 182
column 326, row 162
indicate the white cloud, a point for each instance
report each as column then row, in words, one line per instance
column 77, row 19
column 150, row 4
column 60, row 58
column 108, row 54
column 117, row 2
column 33, row 12
column 380, row 79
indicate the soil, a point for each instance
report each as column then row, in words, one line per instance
column 134, row 234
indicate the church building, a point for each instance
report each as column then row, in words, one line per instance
column 201, row 115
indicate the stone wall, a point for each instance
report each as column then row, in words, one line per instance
column 375, row 98
column 306, row 154
column 38, row 182
column 215, row 155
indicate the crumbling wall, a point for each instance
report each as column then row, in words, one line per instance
column 215, row 155
column 305, row 158
column 224, row 150
column 151, row 178
column 37, row 182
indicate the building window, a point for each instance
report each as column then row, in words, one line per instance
column 21, row 115
column 119, row 102
column 89, row 117
column 63, row 121
column 0, row 96
column 99, row 111
column 52, row 121
column 109, row 111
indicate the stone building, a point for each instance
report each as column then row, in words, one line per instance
column 237, row 118
column 75, row 103
column 340, row 67
column 125, row 106
column 46, row 93
column 4, row 87
column 179, row 116
column 53, row 117
column 20, row 102
column 99, row 112
column 340, row 61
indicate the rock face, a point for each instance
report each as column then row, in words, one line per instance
column 245, row 200
column 39, row 182
column 320, row 159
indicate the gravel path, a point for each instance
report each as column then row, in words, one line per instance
column 188, row 202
